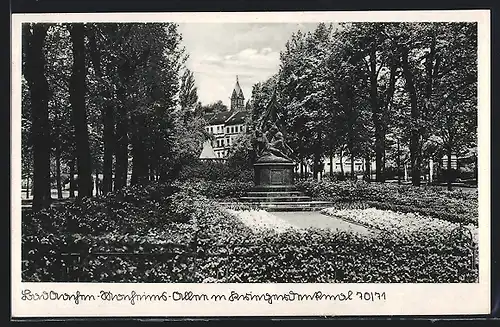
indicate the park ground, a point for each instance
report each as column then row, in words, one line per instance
column 180, row 232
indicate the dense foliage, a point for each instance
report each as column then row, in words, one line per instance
column 396, row 93
column 107, row 100
column 454, row 206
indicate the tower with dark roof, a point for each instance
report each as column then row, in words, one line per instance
column 237, row 98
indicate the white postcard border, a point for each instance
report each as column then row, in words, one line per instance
column 402, row 299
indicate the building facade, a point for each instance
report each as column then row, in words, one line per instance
column 227, row 126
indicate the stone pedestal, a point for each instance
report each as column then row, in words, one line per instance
column 271, row 171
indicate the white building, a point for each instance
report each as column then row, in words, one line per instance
column 227, row 126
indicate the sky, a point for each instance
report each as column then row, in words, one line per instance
column 219, row 52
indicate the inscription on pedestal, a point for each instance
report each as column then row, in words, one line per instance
column 277, row 177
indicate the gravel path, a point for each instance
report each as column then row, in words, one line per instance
column 304, row 219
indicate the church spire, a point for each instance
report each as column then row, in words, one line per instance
column 237, row 97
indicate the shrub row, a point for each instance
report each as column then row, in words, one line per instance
column 215, row 171
column 454, row 206
column 222, row 189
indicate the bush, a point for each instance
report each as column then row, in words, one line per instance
column 215, row 171
column 130, row 215
column 454, row 206
column 222, row 189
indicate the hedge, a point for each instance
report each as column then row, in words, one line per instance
column 454, row 206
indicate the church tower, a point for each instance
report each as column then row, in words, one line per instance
column 237, row 98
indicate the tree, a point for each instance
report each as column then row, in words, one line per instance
column 438, row 60
column 304, row 96
column 373, row 45
column 26, row 137
column 59, row 57
column 214, row 108
column 77, row 99
column 33, row 69
column 261, row 96
column 104, row 40
column 188, row 94
column 458, row 127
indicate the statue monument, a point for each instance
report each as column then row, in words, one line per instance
column 274, row 169
column 274, row 165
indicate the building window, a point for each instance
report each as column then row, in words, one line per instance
column 218, row 127
column 221, row 143
column 227, row 140
column 227, row 129
column 232, row 129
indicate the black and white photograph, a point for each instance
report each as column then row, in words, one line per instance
column 253, row 152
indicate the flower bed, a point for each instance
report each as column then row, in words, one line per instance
column 400, row 223
column 260, row 220
column 453, row 206
column 322, row 255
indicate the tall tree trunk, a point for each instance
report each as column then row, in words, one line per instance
column 121, row 167
column 352, row 167
column 122, row 129
column 398, row 162
column 58, row 171
column 341, row 163
column 301, row 168
column 139, row 155
column 77, row 100
column 367, row 167
column 415, row 147
column 72, row 178
column 331, row 166
column 475, row 170
column 108, row 136
column 34, row 39
column 151, row 173
column 96, row 182
column 450, row 175
column 377, row 118
column 107, row 112
column 139, row 164
column 58, row 156
column 27, row 186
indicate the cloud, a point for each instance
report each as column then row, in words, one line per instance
column 249, row 58
column 219, row 52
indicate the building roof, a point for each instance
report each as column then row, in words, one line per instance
column 219, row 118
column 208, row 151
column 207, row 117
column 238, row 117
column 237, row 92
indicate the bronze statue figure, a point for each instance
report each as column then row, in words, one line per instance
column 268, row 140
column 279, row 148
